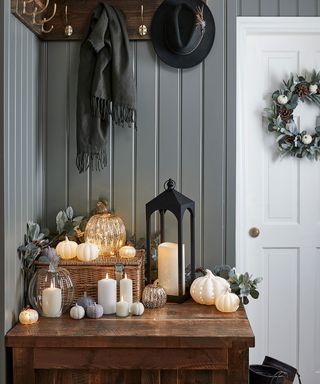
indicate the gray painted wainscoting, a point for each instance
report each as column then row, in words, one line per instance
column 21, row 174
column 186, row 130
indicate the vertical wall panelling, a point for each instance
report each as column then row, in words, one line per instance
column 3, row 208
column 269, row 8
column 18, row 174
column 250, row 7
column 123, row 165
column 307, row 7
column 232, row 8
column 288, row 7
column 214, row 143
column 147, row 75
column 57, row 172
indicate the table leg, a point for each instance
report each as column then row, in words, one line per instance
column 238, row 364
column 23, row 371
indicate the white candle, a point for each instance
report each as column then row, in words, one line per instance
column 51, row 301
column 126, row 289
column 168, row 271
column 107, row 295
column 122, row 308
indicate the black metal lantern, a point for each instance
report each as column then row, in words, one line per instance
column 175, row 202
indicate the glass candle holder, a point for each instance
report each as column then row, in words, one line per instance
column 51, row 291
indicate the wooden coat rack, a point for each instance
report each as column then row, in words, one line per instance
column 36, row 14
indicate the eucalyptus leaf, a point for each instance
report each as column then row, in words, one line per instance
column 69, row 213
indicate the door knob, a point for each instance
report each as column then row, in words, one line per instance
column 254, row 232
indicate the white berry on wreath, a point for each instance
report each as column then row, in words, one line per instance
column 313, row 88
column 282, row 99
column 306, row 139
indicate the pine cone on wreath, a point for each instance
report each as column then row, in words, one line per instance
column 285, row 114
column 302, row 89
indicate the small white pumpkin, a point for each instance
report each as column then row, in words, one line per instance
column 67, row 249
column 282, row 99
column 227, row 302
column 205, row 289
column 137, row 308
column 28, row 316
column 127, row 251
column 87, row 251
column 77, row 312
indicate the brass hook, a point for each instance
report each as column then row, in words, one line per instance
column 142, row 28
column 68, row 31
column 46, row 20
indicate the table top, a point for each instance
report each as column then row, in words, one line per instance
column 173, row 326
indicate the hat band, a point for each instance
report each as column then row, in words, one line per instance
column 185, row 50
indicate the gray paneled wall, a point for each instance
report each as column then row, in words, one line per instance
column 21, row 177
column 186, row 130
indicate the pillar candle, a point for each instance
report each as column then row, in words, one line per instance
column 51, row 302
column 168, row 274
column 107, row 295
column 126, row 289
column 122, row 308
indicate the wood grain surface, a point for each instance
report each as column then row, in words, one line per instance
column 181, row 344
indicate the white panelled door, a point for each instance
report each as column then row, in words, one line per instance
column 279, row 196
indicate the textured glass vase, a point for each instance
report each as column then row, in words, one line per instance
column 105, row 230
column 51, row 290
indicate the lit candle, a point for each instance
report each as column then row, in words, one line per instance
column 122, row 308
column 168, row 271
column 107, row 295
column 51, row 301
column 126, row 289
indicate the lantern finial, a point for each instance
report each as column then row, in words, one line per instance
column 169, row 185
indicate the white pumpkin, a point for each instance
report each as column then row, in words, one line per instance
column 205, row 289
column 77, row 312
column 313, row 88
column 67, row 249
column 307, row 139
column 28, row 316
column 127, row 251
column 227, row 302
column 87, row 251
column 137, row 308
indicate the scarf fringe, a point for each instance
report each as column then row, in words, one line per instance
column 95, row 161
column 121, row 114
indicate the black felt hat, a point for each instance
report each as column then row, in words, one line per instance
column 182, row 32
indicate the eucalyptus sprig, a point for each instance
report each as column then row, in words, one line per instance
column 70, row 225
column 242, row 285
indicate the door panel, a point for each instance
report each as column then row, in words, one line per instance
column 280, row 196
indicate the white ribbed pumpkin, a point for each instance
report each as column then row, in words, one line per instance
column 77, row 312
column 227, row 302
column 87, row 251
column 205, row 289
column 67, row 249
column 137, row 308
column 28, row 316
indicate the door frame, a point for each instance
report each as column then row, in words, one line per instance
column 245, row 27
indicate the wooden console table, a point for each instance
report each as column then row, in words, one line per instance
column 180, row 344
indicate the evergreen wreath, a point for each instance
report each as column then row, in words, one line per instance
column 280, row 116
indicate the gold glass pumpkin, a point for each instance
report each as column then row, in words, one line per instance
column 105, row 230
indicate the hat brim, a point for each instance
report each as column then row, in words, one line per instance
column 158, row 38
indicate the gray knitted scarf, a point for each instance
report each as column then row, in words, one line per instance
column 105, row 86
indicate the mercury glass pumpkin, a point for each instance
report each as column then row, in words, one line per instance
column 154, row 296
column 105, row 230
column 51, row 290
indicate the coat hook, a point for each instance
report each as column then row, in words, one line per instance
column 142, row 28
column 68, row 31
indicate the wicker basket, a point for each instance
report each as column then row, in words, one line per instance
column 85, row 275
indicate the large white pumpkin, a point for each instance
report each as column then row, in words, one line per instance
column 205, row 289
column 228, row 302
column 87, row 251
column 67, row 249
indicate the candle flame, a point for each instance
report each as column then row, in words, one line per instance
column 107, row 275
column 51, row 285
column 125, row 276
column 121, row 298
